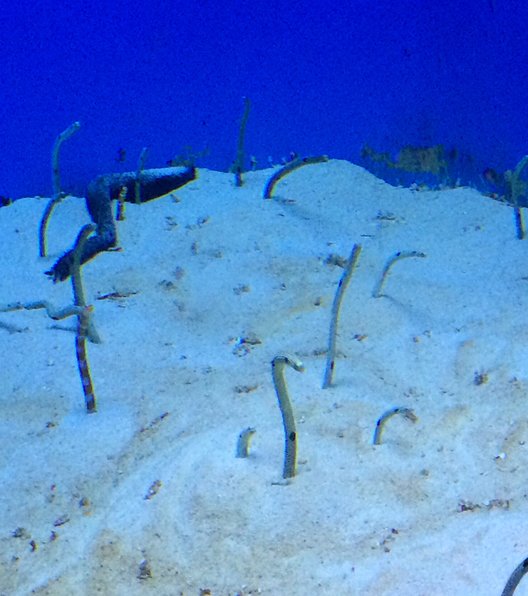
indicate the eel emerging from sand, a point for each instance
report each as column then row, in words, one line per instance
column 102, row 191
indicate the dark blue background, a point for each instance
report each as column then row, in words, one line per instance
column 323, row 77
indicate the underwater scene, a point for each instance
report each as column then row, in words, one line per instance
column 263, row 311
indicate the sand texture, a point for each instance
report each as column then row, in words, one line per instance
column 146, row 496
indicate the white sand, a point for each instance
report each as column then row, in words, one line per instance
column 223, row 264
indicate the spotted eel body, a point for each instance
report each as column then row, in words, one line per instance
column 82, row 359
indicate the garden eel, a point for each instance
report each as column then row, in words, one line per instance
column 100, row 194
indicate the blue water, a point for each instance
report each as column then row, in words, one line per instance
column 323, row 77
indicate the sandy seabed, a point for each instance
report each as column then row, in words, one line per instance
column 147, row 497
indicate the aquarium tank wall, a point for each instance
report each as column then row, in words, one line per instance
column 417, row 92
